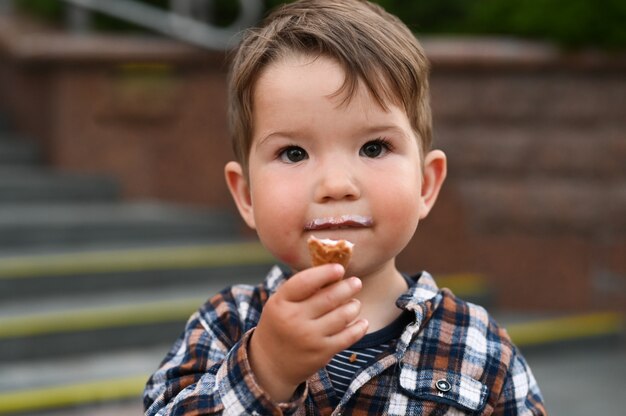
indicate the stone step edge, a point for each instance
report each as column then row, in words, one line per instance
column 77, row 263
column 545, row 331
column 78, row 320
column 524, row 334
column 70, row 395
column 92, row 318
column 104, row 262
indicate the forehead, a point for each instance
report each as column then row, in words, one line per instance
column 302, row 96
column 302, row 78
column 304, row 75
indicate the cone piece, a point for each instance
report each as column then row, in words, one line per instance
column 330, row 251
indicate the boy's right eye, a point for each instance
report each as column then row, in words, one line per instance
column 293, row 154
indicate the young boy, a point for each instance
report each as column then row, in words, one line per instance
column 332, row 132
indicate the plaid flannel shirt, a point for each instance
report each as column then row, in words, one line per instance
column 453, row 359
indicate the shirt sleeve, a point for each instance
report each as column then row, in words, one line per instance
column 208, row 372
column 520, row 394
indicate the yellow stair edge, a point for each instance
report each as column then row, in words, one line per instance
column 98, row 318
column 75, row 394
column 186, row 257
column 566, row 328
column 93, row 318
column 135, row 259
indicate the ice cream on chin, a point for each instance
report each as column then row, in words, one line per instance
column 324, row 251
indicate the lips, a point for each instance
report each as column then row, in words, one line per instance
column 340, row 222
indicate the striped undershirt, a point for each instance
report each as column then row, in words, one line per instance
column 345, row 365
column 341, row 369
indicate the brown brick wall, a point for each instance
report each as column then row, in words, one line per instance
column 537, row 154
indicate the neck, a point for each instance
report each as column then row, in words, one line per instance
column 378, row 296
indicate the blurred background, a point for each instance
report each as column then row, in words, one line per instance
column 116, row 224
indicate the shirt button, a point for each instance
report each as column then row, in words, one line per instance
column 443, row 385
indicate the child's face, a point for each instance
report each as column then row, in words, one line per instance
column 319, row 167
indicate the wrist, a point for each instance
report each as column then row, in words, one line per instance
column 268, row 373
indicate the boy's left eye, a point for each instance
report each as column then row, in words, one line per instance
column 374, row 148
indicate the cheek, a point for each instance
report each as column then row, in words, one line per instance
column 279, row 217
column 275, row 200
column 398, row 200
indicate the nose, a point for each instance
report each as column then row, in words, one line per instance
column 336, row 181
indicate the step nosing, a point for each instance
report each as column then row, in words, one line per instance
column 72, row 394
column 535, row 331
column 553, row 330
column 101, row 317
column 140, row 259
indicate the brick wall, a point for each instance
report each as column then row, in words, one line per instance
column 536, row 194
column 536, row 143
column 151, row 112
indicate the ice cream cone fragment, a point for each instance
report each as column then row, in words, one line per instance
column 324, row 251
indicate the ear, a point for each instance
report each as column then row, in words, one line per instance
column 434, row 173
column 240, row 191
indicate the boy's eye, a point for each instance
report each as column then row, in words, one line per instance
column 293, row 154
column 374, row 148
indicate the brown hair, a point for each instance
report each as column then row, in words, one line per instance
column 373, row 47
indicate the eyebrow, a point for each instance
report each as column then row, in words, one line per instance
column 366, row 131
column 284, row 134
column 372, row 130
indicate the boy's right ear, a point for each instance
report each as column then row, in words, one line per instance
column 240, row 190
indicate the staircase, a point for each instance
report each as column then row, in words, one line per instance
column 93, row 289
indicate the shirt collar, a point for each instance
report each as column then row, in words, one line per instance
column 275, row 278
column 424, row 290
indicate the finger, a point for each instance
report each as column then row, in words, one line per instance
column 304, row 284
column 339, row 319
column 333, row 296
column 349, row 336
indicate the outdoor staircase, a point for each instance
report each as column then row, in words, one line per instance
column 94, row 290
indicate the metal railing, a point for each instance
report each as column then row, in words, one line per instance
column 183, row 20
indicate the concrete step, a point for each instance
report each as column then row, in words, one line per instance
column 74, row 303
column 78, row 224
column 127, row 268
column 16, row 151
column 43, row 386
column 70, row 327
column 34, row 184
column 62, row 385
column 68, row 303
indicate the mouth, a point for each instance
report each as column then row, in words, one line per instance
column 338, row 223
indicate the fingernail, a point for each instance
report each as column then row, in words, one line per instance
column 356, row 283
column 339, row 268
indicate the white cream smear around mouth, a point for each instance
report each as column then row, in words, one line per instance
column 338, row 222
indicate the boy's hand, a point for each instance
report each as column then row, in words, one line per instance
column 303, row 325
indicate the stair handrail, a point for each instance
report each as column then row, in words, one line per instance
column 177, row 25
